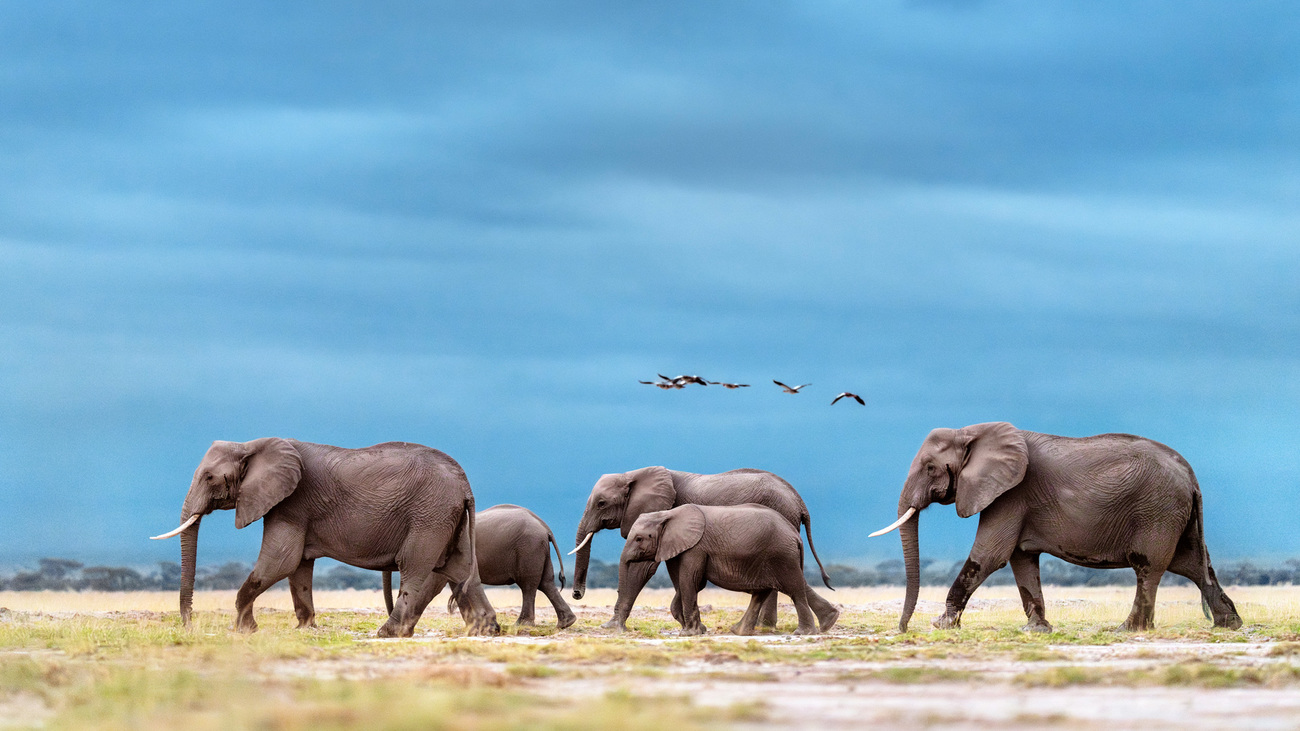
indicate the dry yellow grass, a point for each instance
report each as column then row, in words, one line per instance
column 991, row 605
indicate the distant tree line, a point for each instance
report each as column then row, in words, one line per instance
column 60, row 574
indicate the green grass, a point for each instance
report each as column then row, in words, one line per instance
column 143, row 670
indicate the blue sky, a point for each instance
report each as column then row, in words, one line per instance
column 477, row 228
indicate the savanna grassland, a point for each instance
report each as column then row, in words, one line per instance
column 122, row 660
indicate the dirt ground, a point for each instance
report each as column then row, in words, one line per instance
column 864, row 672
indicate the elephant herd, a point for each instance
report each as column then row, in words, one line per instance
column 1107, row 501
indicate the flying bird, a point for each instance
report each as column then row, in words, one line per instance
column 790, row 389
column 662, row 384
column 683, row 380
column 853, row 396
column 728, row 385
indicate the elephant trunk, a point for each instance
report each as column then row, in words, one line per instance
column 908, row 532
column 189, row 554
column 583, row 540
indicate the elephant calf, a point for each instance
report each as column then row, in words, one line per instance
column 749, row 548
column 512, row 546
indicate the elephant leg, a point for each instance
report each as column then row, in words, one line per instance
column 636, row 576
column 799, row 595
column 748, row 622
column 1187, row 563
column 675, row 607
column 415, row 562
column 767, row 616
column 417, row 590
column 993, row 548
column 527, row 607
column 300, row 591
column 1143, row 615
column 280, row 556
column 564, row 616
column 461, row 569
column 691, row 575
column 827, row 613
column 1025, row 567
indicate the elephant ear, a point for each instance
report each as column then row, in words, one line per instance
column 650, row 489
column 681, row 531
column 272, row 472
column 996, row 459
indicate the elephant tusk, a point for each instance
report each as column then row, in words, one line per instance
column 580, row 545
column 182, row 527
column 901, row 520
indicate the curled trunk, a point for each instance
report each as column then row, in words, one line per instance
column 912, row 562
column 189, row 554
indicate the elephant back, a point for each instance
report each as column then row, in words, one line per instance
column 741, row 486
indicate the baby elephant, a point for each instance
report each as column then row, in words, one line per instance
column 512, row 546
column 748, row 548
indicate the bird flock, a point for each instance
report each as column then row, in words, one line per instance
column 680, row 382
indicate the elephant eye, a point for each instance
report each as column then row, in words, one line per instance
column 600, row 503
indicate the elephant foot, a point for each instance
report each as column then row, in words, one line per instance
column 392, row 629
column 1134, row 626
column 246, row 627
column 564, row 621
column 1229, row 622
column 308, row 623
column 483, row 627
column 525, row 622
column 694, row 630
column 809, row 630
column 947, row 621
column 739, row 629
column 615, row 624
column 1040, row 626
column 824, row 623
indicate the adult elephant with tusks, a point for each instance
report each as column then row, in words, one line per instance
column 393, row 506
column 617, row 500
column 1107, row 501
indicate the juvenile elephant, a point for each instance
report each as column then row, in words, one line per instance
column 393, row 506
column 617, row 501
column 513, row 546
column 1107, row 501
column 749, row 548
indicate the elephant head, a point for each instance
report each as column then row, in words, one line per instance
column 664, row 534
column 970, row 467
column 251, row 477
column 617, row 501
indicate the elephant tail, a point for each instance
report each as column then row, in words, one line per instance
column 388, row 591
column 1195, row 532
column 806, row 519
column 558, row 556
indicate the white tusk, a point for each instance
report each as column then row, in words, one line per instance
column 902, row 519
column 182, row 527
column 580, row 545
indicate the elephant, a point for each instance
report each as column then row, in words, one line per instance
column 749, row 548
column 1105, row 501
column 392, row 506
column 617, row 500
column 512, row 546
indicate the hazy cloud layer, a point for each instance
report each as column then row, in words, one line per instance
column 477, row 228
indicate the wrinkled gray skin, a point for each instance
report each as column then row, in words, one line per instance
column 617, row 501
column 749, row 548
column 513, row 546
column 1107, row 501
column 393, row 506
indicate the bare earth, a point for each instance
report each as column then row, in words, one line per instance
column 924, row 684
